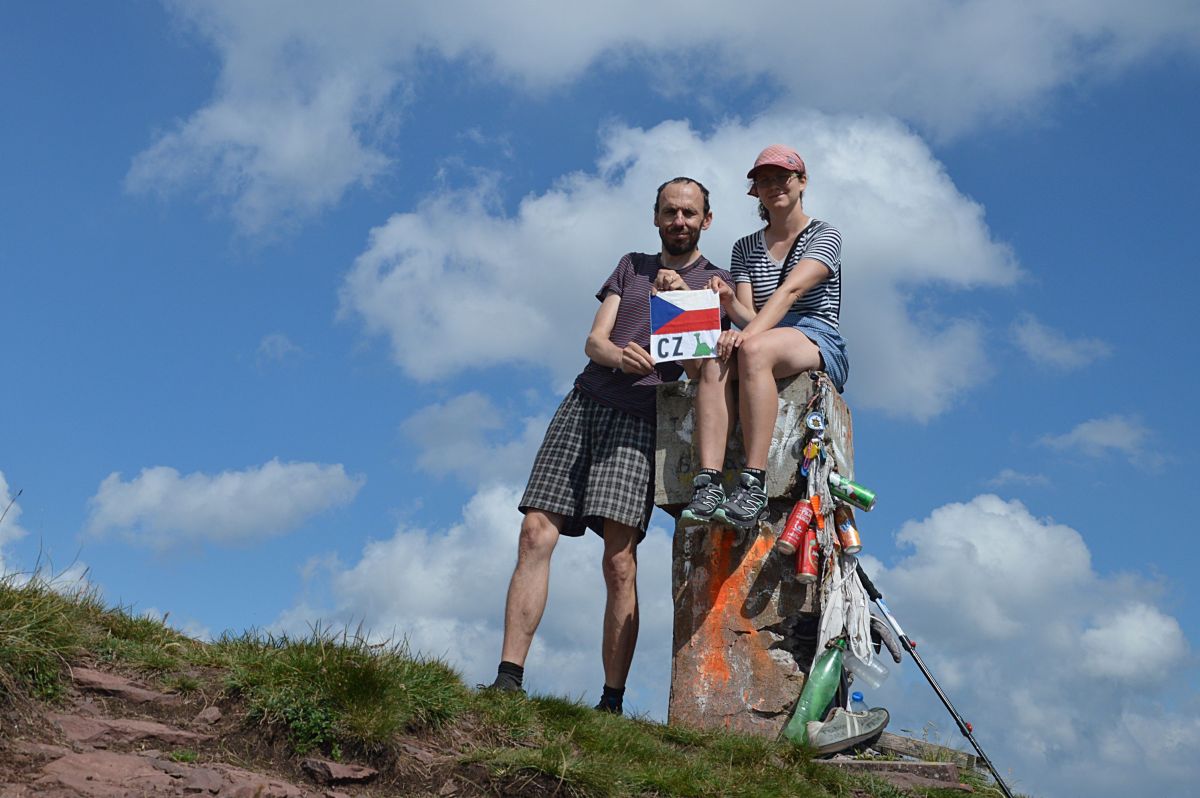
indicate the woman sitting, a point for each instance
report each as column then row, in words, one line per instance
column 786, row 301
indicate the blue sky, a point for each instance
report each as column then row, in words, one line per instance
column 274, row 354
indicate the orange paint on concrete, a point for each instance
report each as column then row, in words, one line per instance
column 714, row 668
column 727, row 589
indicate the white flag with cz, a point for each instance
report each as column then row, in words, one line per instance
column 684, row 325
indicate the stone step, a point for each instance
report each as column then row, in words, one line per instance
column 906, row 774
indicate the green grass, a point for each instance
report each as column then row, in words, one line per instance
column 42, row 629
column 600, row 755
column 338, row 693
column 338, row 689
column 40, row 632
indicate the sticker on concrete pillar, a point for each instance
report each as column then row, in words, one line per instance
column 684, row 325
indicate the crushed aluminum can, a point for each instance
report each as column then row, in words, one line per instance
column 848, row 535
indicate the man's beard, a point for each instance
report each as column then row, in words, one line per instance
column 673, row 247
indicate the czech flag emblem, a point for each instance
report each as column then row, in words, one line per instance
column 684, row 325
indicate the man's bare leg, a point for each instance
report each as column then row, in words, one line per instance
column 530, row 583
column 621, row 608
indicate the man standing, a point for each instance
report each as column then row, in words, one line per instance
column 595, row 468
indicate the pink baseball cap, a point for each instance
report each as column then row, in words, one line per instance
column 776, row 155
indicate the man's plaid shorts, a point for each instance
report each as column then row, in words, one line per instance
column 595, row 462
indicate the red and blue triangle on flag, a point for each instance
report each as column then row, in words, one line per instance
column 671, row 315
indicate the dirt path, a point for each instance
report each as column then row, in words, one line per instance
column 116, row 738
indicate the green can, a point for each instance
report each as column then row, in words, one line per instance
column 851, row 492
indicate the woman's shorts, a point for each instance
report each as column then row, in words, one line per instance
column 828, row 340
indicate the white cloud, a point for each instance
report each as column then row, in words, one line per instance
column 1048, row 347
column 300, row 97
column 994, row 561
column 443, row 591
column 520, row 288
column 453, row 438
column 160, row 508
column 306, row 102
column 1131, row 642
column 276, row 346
column 1054, row 663
column 10, row 526
column 1105, row 437
column 1167, row 740
column 1009, row 476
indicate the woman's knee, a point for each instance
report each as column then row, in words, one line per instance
column 714, row 374
column 754, row 355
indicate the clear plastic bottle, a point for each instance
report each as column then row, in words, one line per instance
column 871, row 673
column 856, row 702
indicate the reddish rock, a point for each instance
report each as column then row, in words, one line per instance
column 209, row 715
column 114, row 685
column 420, row 754
column 40, row 750
column 907, row 775
column 245, row 784
column 99, row 732
column 106, row 774
column 103, row 774
column 325, row 772
column 192, row 778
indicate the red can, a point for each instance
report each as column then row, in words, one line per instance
column 798, row 522
column 806, row 557
column 848, row 535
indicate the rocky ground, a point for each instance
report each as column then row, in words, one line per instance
column 115, row 737
column 112, row 736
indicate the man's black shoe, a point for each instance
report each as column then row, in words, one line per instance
column 606, row 705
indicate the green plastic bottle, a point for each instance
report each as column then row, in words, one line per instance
column 818, row 691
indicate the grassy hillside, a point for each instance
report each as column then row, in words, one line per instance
column 336, row 694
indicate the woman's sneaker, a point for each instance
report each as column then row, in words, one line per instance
column 746, row 506
column 707, row 496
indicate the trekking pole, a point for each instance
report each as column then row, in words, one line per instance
column 911, row 648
